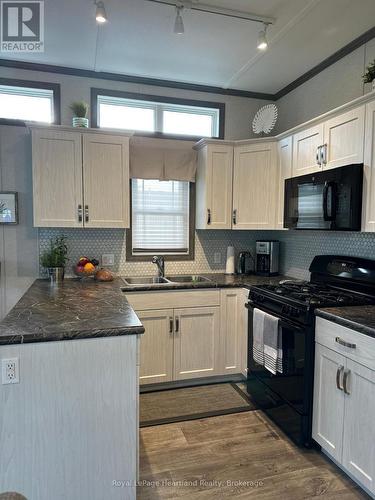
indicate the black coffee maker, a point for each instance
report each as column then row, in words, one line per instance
column 267, row 258
column 245, row 263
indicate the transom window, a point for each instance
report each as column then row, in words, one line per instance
column 161, row 222
column 29, row 103
column 186, row 118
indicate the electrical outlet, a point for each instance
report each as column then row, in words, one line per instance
column 10, row 371
column 217, row 258
column 108, row 259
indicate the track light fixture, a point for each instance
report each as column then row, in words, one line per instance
column 193, row 5
column 179, row 28
column 262, row 43
column 100, row 15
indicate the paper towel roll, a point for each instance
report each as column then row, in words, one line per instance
column 229, row 269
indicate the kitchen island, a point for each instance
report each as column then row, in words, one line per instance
column 69, row 419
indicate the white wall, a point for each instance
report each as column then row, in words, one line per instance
column 18, row 243
column 239, row 111
column 333, row 87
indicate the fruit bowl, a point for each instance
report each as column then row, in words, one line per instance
column 81, row 273
column 86, row 268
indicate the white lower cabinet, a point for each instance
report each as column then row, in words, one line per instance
column 156, row 351
column 344, row 399
column 233, row 321
column 328, row 417
column 182, row 343
column 196, row 342
column 359, row 429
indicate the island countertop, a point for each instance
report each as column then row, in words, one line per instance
column 73, row 309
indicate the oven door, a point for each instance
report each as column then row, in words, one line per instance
column 294, row 385
column 329, row 200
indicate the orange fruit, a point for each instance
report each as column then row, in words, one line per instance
column 88, row 267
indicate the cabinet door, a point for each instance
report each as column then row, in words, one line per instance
column 214, row 187
column 156, row 347
column 196, row 342
column 305, row 146
column 344, row 138
column 368, row 219
column 219, row 186
column 328, row 408
column 57, row 178
column 359, row 428
column 106, row 180
column 255, row 186
column 233, row 331
column 284, row 172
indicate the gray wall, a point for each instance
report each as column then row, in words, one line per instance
column 239, row 110
column 336, row 85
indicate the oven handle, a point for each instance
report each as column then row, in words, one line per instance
column 282, row 322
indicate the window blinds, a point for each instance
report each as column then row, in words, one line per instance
column 160, row 216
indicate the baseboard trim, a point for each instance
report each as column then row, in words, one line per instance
column 180, row 384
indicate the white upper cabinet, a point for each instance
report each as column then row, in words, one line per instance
column 368, row 217
column 214, row 187
column 285, row 149
column 80, row 179
column 334, row 143
column 306, row 145
column 106, row 180
column 57, row 178
column 344, row 139
column 255, row 186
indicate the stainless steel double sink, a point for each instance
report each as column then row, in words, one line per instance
column 156, row 281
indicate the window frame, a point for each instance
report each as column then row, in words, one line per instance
column 95, row 92
column 167, row 256
column 55, row 87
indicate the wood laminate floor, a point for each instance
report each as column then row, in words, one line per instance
column 241, row 456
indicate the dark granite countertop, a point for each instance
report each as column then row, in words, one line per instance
column 217, row 280
column 73, row 310
column 359, row 318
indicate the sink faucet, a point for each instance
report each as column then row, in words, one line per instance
column 159, row 261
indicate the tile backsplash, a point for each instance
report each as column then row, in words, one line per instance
column 297, row 248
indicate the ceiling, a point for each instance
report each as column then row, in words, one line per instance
column 218, row 51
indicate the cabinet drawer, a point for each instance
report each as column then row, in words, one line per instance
column 328, row 333
column 144, row 301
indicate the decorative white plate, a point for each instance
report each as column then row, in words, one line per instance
column 265, row 119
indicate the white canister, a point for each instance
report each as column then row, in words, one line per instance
column 229, row 269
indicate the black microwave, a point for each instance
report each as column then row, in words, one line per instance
column 326, row 200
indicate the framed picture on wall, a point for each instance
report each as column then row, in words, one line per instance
column 8, row 207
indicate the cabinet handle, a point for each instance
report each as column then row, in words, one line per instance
column 339, row 386
column 80, row 213
column 235, row 216
column 177, row 325
column 170, row 325
column 345, row 344
column 324, row 154
column 345, row 382
column 208, row 216
column 86, row 213
column 318, row 155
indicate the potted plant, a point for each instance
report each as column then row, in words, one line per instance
column 80, row 109
column 369, row 76
column 55, row 258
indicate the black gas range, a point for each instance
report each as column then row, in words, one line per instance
column 335, row 281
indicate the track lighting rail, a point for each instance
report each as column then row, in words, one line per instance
column 210, row 9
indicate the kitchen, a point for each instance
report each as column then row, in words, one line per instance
column 150, row 379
